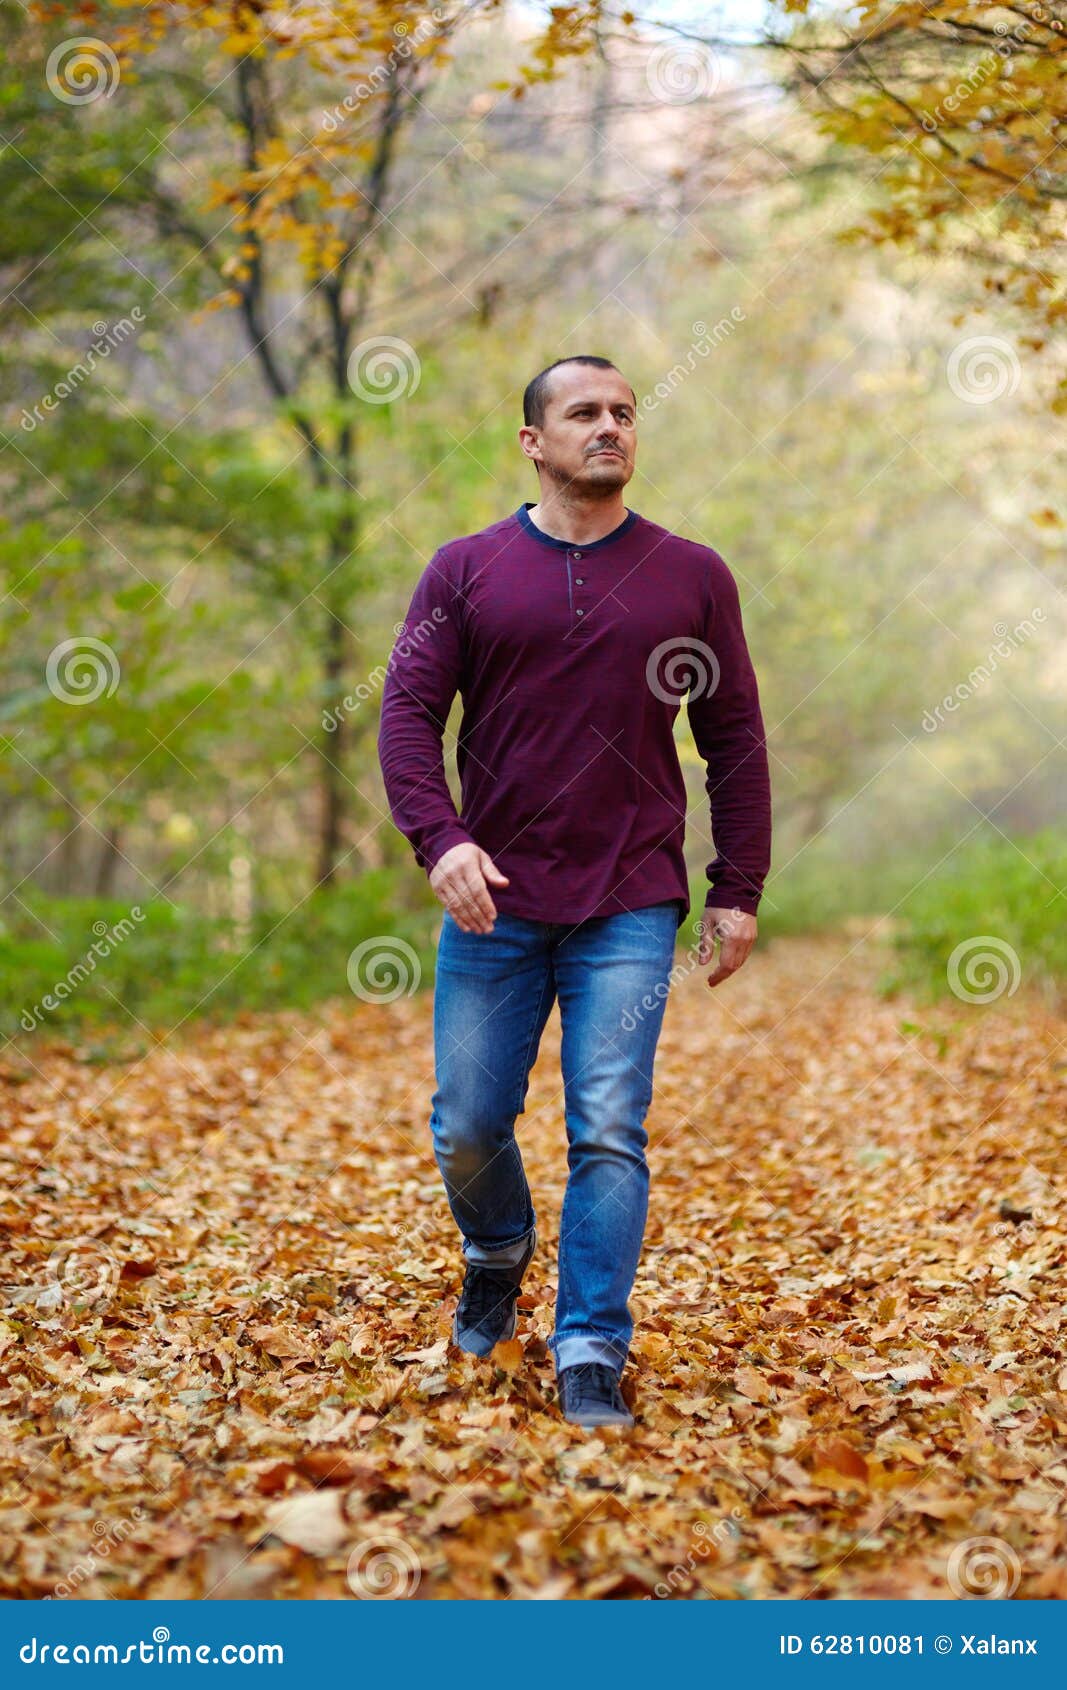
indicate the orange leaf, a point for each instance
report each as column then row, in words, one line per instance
column 835, row 1459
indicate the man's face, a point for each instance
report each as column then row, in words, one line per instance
column 589, row 439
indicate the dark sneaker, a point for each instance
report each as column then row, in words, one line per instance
column 486, row 1314
column 589, row 1395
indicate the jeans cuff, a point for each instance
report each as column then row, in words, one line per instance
column 577, row 1347
column 510, row 1255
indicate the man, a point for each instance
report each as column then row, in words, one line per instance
column 572, row 630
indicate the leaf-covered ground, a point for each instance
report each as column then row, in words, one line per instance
column 230, row 1270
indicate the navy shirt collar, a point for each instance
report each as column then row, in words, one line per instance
column 523, row 517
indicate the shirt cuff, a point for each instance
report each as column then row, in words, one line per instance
column 452, row 833
column 746, row 902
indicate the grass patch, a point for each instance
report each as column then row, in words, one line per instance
column 91, row 964
column 1012, row 892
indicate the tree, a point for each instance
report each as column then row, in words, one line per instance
column 302, row 112
column 964, row 105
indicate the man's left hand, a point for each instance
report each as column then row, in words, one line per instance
column 736, row 933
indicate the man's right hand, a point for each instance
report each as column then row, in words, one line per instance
column 461, row 879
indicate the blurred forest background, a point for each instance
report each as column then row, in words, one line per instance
column 275, row 279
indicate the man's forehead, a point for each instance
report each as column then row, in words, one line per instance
column 580, row 383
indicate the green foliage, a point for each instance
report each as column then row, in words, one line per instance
column 821, row 889
column 1014, row 890
column 154, row 970
column 1011, row 889
column 168, row 507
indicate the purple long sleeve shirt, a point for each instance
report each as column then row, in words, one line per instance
column 572, row 662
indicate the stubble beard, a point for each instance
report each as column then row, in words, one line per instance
column 591, row 481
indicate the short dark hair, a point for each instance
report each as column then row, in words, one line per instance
column 536, row 395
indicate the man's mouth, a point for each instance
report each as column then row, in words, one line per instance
column 606, row 452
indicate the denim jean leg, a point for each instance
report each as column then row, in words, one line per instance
column 493, row 993
column 612, row 977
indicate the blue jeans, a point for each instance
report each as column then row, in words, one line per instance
column 492, row 996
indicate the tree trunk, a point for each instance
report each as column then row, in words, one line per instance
column 107, row 863
column 333, row 745
column 67, row 853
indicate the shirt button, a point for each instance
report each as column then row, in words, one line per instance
column 579, row 581
column 576, row 554
column 580, row 611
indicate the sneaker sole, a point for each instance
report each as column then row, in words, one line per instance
column 598, row 1420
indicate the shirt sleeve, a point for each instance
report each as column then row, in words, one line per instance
column 724, row 713
column 421, row 680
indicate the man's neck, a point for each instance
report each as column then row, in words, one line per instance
column 578, row 521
